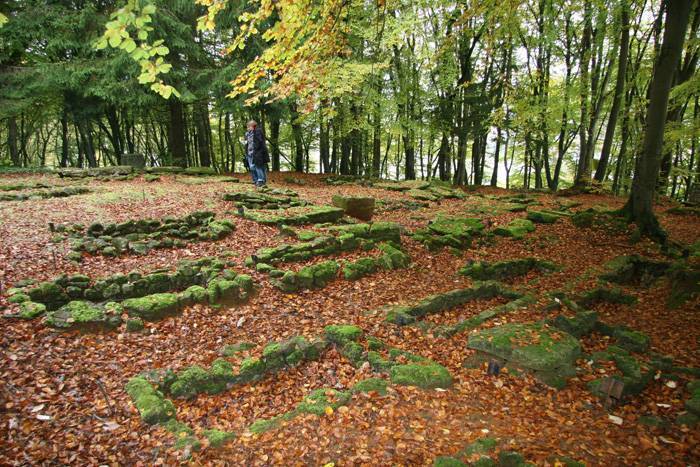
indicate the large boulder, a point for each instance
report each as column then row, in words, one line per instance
column 360, row 207
column 548, row 353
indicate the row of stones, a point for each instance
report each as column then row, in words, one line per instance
column 295, row 215
column 349, row 237
column 318, row 275
column 45, row 194
column 72, row 300
column 149, row 391
column 128, row 170
column 454, row 232
column 140, row 236
column 422, row 190
column 265, row 198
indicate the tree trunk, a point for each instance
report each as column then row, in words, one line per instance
column 64, row 139
column 12, row 141
column 298, row 138
column 176, row 134
column 583, row 172
column 601, row 171
column 639, row 206
column 201, row 121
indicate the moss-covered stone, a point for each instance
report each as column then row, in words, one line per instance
column 341, row 334
column 84, row 315
column 152, row 307
column 455, row 232
column 19, row 298
column 151, row 404
column 685, row 283
column 542, row 217
column 134, row 325
column 233, row 349
column 606, row 294
column 50, row 294
column 31, row 310
column 296, row 215
column 251, row 369
column 550, row 355
column 359, row 268
column 359, row 207
column 508, row 269
column 393, row 258
column 406, row 314
column 517, row 228
column 634, row 270
column 448, row 461
column 317, row 401
column 377, row 385
column 580, row 325
column 425, row 376
column 482, row 317
column 218, row 438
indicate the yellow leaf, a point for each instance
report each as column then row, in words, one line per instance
column 329, row 410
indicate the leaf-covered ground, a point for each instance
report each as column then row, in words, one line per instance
column 62, row 398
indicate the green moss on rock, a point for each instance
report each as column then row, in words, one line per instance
column 549, row 354
column 425, row 376
column 152, row 307
column 503, row 270
column 341, row 334
column 517, row 228
column 31, row 310
column 377, row 385
column 218, row 438
column 151, row 404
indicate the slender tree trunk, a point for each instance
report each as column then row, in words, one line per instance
column 12, row 141
column 64, row 139
column 583, row 173
column 298, row 138
column 176, row 134
column 639, row 206
column 601, row 171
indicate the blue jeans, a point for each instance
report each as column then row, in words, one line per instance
column 257, row 173
column 261, row 174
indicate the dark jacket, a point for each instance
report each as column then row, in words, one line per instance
column 260, row 154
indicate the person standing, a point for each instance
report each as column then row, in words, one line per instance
column 256, row 153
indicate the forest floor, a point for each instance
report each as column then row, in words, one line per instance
column 62, row 394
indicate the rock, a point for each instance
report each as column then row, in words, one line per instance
column 517, row 228
column 341, row 334
column 233, row 349
column 578, row 326
column 634, row 270
column 218, row 438
column 447, row 461
column 85, row 316
column 393, row 258
column 425, row 376
column 50, row 294
column 151, row 404
column 377, row 385
column 152, row 307
column 31, row 310
column 541, row 217
column 134, row 325
column 359, row 268
column 550, row 355
column 19, row 298
column 359, row 207
column 503, row 270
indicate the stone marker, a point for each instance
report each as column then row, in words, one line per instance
column 359, row 207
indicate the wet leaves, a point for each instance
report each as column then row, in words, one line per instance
column 57, row 376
